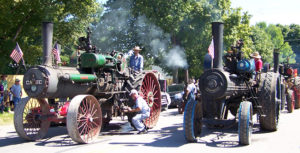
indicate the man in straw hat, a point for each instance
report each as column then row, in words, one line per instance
column 258, row 61
column 136, row 60
column 258, row 64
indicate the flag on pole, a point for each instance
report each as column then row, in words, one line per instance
column 17, row 54
column 56, row 52
column 211, row 49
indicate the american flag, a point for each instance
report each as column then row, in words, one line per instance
column 56, row 52
column 211, row 49
column 17, row 54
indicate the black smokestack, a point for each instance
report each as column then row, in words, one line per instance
column 276, row 60
column 217, row 32
column 47, row 32
column 186, row 76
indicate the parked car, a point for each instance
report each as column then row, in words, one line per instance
column 165, row 101
column 165, row 97
column 176, row 93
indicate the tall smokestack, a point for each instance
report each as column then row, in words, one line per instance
column 217, row 32
column 276, row 60
column 175, row 75
column 47, row 34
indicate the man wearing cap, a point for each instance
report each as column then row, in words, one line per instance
column 142, row 109
column 16, row 90
column 136, row 60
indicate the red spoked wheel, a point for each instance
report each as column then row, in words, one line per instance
column 297, row 97
column 150, row 90
column 28, row 118
column 84, row 118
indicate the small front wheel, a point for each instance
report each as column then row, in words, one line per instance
column 84, row 118
column 245, row 123
column 192, row 120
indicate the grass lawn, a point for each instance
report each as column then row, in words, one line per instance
column 6, row 118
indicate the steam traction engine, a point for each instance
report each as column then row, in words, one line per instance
column 290, row 86
column 90, row 94
column 233, row 89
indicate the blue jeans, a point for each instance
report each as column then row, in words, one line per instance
column 137, row 121
column 1, row 104
column 16, row 101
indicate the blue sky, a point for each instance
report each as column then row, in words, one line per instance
column 270, row 11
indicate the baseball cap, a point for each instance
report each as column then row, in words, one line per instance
column 17, row 80
column 133, row 91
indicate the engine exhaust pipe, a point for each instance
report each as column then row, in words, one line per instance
column 217, row 32
column 276, row 60
column 47, row 35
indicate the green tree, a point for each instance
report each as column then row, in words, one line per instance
column 237, row 26
column 187, row 22
column 293, row 36
column 262, row 43
column 20, row 21
column 277, row 39
column 164, row 28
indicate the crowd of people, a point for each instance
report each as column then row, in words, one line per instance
column 9, row 97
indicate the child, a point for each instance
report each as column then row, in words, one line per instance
column 11, row 100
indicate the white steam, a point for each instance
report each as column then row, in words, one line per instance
column 176, row 58
column 119, row 30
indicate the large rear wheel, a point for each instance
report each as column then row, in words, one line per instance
column 283, row 97
column 150, row 91
column 148, row 87
column 28, row 120
column 269, row 102
column 84, row 118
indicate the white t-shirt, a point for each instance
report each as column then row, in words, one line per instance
column 191, row 87
column 142, row 104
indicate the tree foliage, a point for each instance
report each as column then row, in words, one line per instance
column 266, row 38
column 20, row 21
column 173, row 34
column 291, row 35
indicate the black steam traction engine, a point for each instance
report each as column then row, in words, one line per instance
column 97, row 89
column 290, row 86
column 233, row 88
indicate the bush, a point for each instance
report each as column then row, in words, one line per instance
column 6, row 118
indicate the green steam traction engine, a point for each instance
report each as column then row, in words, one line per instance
column 97, row 89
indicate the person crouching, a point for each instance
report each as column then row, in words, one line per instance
column 142, row 109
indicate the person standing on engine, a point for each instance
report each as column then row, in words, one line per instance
column 142, row 109
column 258, row 64
column 136, row 60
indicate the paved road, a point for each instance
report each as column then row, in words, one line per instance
column 167, row 136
